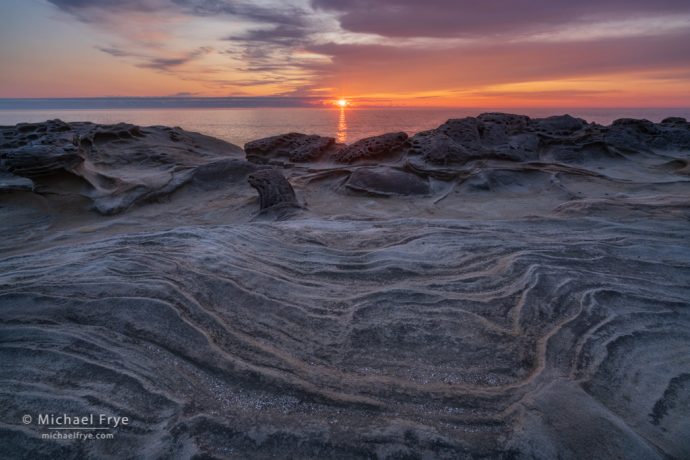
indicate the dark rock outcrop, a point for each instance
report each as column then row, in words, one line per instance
column 294, row 147
column 492, row 135
column 376, row 147
column 560, row 125
column 274, row 189
column 437, row 147
column 676, row 121
column 631, row 135
column 497, row 136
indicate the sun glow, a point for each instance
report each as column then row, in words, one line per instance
column 342, row 103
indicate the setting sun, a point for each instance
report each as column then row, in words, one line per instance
column 341, row 103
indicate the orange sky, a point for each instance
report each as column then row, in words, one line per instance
column 403, row 53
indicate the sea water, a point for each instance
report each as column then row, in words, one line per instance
column 240, row 125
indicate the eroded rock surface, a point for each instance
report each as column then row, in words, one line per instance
column 273, row 188
column 9, row 181
column 387, row 181
column 376, row 147
column 492, row 136
column 115, row 166
column 501, row 287
column 295, row 147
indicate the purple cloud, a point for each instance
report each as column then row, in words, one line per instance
column 392, row 68
column 469, row 18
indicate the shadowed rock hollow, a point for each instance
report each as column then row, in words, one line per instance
column 498, row 287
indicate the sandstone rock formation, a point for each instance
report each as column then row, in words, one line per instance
column 387, row 181
column 497, row 287
column 273, row 188
column 9, row 182
column 295, row 147
column 376, row 148
column 115, row 166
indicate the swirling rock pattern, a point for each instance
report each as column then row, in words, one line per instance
column 399, row 338
column 509, row 309
column 115, row 166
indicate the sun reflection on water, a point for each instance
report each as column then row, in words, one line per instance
column 341, row 135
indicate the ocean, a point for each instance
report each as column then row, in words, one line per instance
column 240, row 125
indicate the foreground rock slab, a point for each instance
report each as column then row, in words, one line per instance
column 523, row 339
column 497, row 287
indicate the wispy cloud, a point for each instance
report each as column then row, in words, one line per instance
column 113, row 51
column 407, row 47
column 100, row 10
column 170, row 63
column 157, row 62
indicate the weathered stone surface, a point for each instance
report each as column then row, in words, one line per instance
column 438, row 148
column 119, row 165
column 40, row 159
column 532, row 305
column 498, row 136
column 465, row 132
column 387, row 181
column 525, row 334
column 630, row 135
column 674, row 121
column 490, row 135
column 561, row 125
column 9, row 181
column 295, row 147
column 274, row 189
column 509, row 122
column 371, row 148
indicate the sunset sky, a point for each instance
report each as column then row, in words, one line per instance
column 501, row 53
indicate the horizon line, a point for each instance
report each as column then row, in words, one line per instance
column 192, row 101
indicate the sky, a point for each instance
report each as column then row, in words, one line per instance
column 440, row 53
